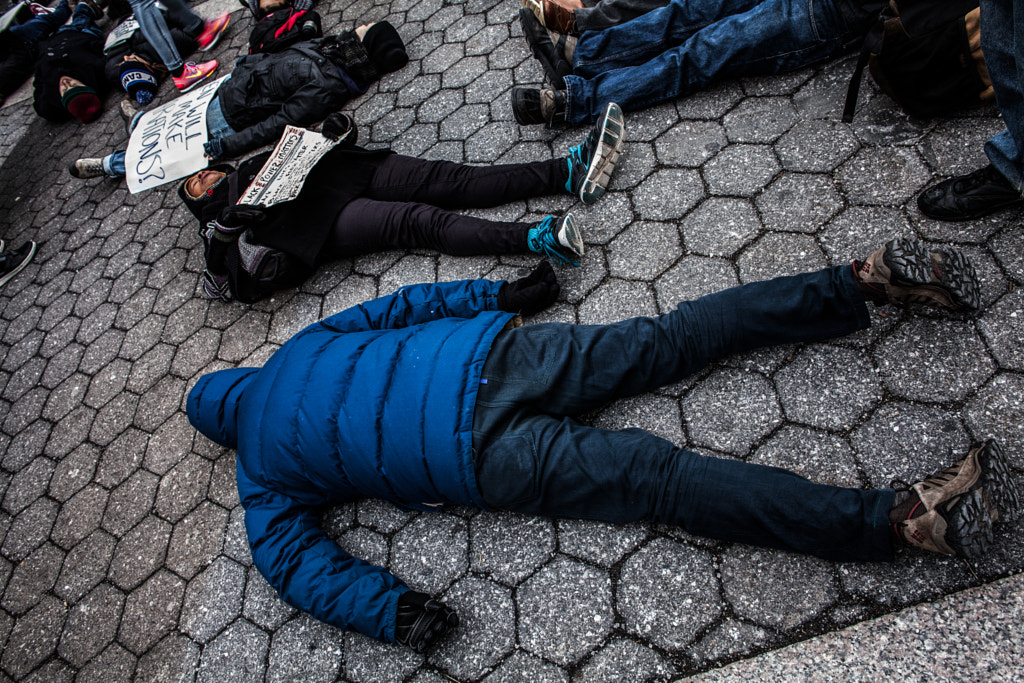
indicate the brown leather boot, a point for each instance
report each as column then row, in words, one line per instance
column 904, row 271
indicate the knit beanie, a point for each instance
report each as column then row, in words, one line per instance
column 138, row 80
column 385, row 47
column 82, row 102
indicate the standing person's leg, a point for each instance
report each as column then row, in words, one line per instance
column 774, row 37
column 999, row 185
column 154, row 28
column 446, row 184
column 608, row 13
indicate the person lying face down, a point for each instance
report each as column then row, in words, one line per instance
column 356, row 201
column 435, row 395
column 300, row 85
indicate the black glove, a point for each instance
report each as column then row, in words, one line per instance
column 214, row 148
column 342, row 127
column 421, row 620
column 232, row 220
column 530, row 294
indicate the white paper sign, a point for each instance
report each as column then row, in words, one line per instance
column 283, row 175
column 121, row 33
column 167, row 143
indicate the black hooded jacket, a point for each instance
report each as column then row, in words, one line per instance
column 68, row 53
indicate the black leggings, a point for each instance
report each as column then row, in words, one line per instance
column 404, row 207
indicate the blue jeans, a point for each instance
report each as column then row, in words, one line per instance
column 684, row 46
column 37, row 28
column 1002, row 41
column 83, row 20
column 154, row 27
column 216, row 125
column 532, row 457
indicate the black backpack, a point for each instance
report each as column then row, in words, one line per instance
column 926, row 55
column 283, row 28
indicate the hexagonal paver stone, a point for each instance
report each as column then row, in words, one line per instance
column 159, row 403
column 799, row 202
column 643, row 251
column 776, row 589
column 668, row 194
column 720, row 227
column 213, row 599
column 741, row 170
column 634, row 166
column 263, row 606
column 73, row 472
column 578, row 282
column 828, row 387
column 31, row 579
column 114, row 665
column 151, row 611
column 524, row 667
column 237, row 654
column 883, row 175
column 599, row 542
column 617, row 300
column 431, row 552
column 29, row 529
column 998, row 411
column 371, row 661
column 565, row 611
column 1008, row 248
column 907, row 441
column 731, row 410
column 183, row 487
column 28, row 484
column 382, row 516
column 690, row 143
column 934, row 360
column 130, row 502
column 624, row 660
column 409, row 270
column 692, row 278
column 85, row 566
column 727, row 640
column 816, row 146
column 1003, row 329
column 80, row 516
column 777, row 254
column 486, row 632
column 668, row 593
column 760, row 119
column 175, row 660
column 305, row 649
column 509, row 546
column 366, row 545
column 860, row 230
column 140, row 552
column 197, row 539
column 818, row 456
column 34, row 637
column 171, row 442
column 91, row 625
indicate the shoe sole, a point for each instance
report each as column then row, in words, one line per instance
column 911, row 264
column 969, row 531
column 569, row 233
column 998, row 487
column 599, row 173
column 192, row 86
column 21, row 266
column 555, row 67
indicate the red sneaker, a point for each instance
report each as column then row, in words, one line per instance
column 194, row 74
column 212, row 31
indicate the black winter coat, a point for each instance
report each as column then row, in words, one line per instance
column 68, row 53
column 298, row 86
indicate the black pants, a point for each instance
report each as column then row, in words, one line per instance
column 404, row 207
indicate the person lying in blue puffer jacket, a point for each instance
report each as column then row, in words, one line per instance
column 435, row 395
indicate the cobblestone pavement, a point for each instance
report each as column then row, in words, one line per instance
column 122, row 547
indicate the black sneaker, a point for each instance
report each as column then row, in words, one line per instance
column 13, row 262
column 970, row 196
column 592, row 163
column 547, row 53
column 538, row 105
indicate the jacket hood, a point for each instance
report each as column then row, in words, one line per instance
column 213, row 404
column 207, row 207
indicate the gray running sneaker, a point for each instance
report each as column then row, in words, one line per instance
column 87, row 168
column 952, row 511
column 904, row 271
column 592, row 163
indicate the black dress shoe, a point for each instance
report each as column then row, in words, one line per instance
column 556, row 67
column 970, row 196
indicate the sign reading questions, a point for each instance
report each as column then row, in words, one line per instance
column 167, row 143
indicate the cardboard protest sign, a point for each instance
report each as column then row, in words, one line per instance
column 283, row 175
column 167, row 143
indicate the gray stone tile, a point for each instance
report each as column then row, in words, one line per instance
column 486, row 632
column 212, row 600
column 113, row 665
column 28, row 483
column 668, row 194
column 731, row 410
column 624, row 660
column 183, row 488
column 727, row 640
column 521, row 666
column 816, row 146
column 815, row 388
column 759, row 119
column 819, row 456
column 29, row 529
column 720, row 227
column 197, row 540
column 175, row 659
column 690, row 143
column 741, row 170
column 510, row 547
column 431, row 552
column 237, row 654
column 996, row 411
column 305, row 649
column 798, row 202
column 617, row 300
column 776, row 254
column 885, row 176
column 151, row 611
column 91, row 625
column 79, row 516
column 32, row 579
column 34, row 637
column 85, row 566
column 262, row 605
column 643, row 251
column 139, row 553
column 73, row 472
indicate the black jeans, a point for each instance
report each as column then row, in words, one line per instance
column 405, row 207
column 532, row 457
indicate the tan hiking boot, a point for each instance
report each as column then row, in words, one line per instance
column 952, row 512
column 904, row 271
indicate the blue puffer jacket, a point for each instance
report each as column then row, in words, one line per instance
column 375, row 401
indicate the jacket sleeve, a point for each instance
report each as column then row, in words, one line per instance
column 309, row 571
column 304, row 107
column 418, row 304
